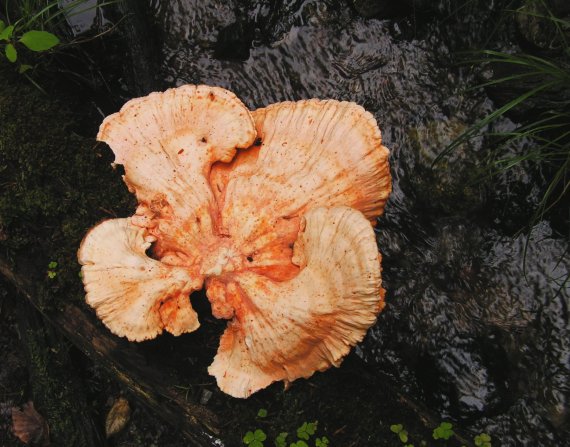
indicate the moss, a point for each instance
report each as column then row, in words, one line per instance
column 56, row 390
column 56, row 184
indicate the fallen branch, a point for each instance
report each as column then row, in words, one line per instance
column 149, row 385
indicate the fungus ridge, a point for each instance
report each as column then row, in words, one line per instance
column 280, row 233
column 287, row 330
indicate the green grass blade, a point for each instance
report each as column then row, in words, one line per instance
column 473, row 131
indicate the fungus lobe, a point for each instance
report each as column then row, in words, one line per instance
column 270, row 210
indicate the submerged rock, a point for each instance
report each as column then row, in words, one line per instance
column 384, row 9
column 538, row 24
column 448, row 185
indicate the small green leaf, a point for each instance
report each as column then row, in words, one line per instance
column 51, row 275
column 52, row 265
column 302, row 431
column 262, row 413
column 306, row 430
column 322, row 442
column 39, row 40
column 403, row 436
column 280, row 441
column 444, row 431
column 249, row 436
column 299, row 444
column 483, row 440
column 11, row 53
column 396, row 428
column 7, row 33
column 2, row 25
column 256, row 443
column 24, row 67
column 260, row 435
column 312, row 427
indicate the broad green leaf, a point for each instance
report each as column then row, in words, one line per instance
column 260, row 435
column 311, row 427
column 444, row 431
column 306, row 430
column 483, row 440
column 23, row 68
column 7, row 33
column 396, row 428
column 302, row 432
column 2, row 25
column 280, row 440
column 39, row 40
column 11, row 53
column 249, row 436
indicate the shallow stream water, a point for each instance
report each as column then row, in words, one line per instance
column 476, row 326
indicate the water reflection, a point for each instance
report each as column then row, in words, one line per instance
column 466, row 329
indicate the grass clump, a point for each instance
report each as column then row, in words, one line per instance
column 539, row 89
column 56, row 184
column 550, row 129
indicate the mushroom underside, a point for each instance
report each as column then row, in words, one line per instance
column 275, row 223
column 288, row 330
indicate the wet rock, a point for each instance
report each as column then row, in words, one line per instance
column 537, row 24
column 275, row 19
column 385, row 9
column 448, row 185
column 553, row 98
column 234, row 41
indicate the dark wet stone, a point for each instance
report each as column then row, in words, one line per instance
column 385, row 9
column 553, row 98
column 234, row 41
column 537, row 26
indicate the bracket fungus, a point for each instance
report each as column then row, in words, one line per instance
column 271, row 211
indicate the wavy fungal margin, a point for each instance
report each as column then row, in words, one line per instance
column 271, row 211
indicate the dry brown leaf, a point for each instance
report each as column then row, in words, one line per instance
column 118, row 417
column 29, row 426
